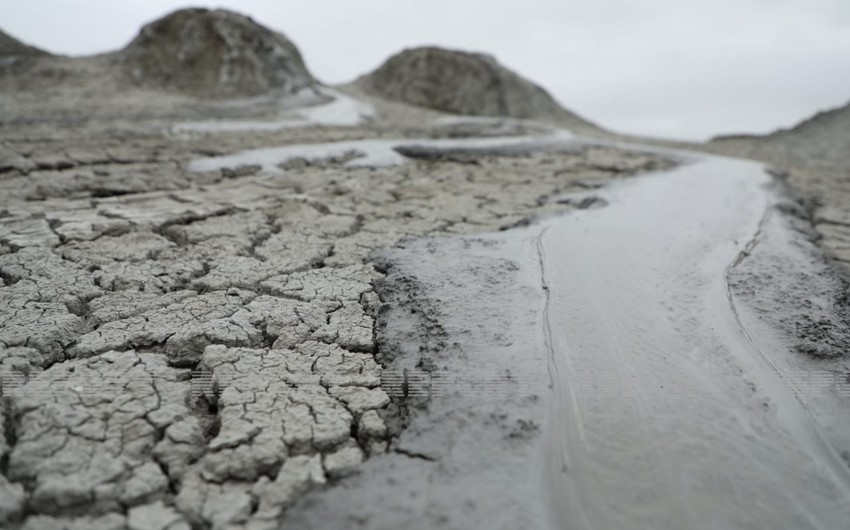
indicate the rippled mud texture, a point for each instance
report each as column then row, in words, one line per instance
column 198, row 349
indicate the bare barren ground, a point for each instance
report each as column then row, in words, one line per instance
column 202, row 350
column 198, row 350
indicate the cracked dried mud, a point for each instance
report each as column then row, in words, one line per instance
column 199, row 348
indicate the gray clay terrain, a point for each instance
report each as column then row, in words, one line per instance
column 235, row 298
column 813, row 155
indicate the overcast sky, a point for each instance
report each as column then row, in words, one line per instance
column 672, row 68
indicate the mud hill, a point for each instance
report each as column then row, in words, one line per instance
column 464, row 83
column 214, row 53
column 820, row 143
column 16, row 58
column 12, row 47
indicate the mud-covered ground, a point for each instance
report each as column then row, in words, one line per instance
column 820, row 179
column 311, row 307
column 188, row 349
column 463, row 346
column 681, row 341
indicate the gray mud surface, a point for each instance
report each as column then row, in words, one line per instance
column 262, row 312
column 560, row 375
column 786, row 283
column 189, row 349
column 464, row 361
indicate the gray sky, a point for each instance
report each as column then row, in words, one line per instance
column 674, row 68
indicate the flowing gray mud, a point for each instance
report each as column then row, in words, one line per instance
column 659, row 409
column 665, row 414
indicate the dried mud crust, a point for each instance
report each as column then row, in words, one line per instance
column 828, row 197
column 184, row 350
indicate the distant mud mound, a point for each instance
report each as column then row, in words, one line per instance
column 12, row 47
column 214, row 53
column 820, row 142
column 461, row 83
column 16, row 58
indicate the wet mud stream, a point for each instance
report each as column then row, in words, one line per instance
column 604, row 369
column 665, row 413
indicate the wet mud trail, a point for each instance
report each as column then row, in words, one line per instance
column 665, row 414
column 655, row 393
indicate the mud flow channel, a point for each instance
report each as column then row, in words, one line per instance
column 664, row 414
column 621, row 384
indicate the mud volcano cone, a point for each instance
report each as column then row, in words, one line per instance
column 462, row 83
column 16, row 58
column 12, row 47
column 214, row 53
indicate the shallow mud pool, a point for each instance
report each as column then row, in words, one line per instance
column 646, row 400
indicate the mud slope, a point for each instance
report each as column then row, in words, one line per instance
column 12, row 47
column 194, row 64
column 214, row 53
column 464, row 83
column 820, row 142
column 16, row 58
